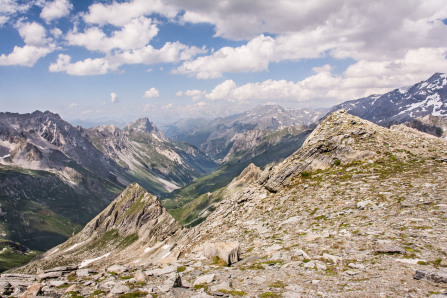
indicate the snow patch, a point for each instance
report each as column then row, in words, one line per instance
column 147, row 249
column 74, row 246
column 6, row 156
column 88, row 261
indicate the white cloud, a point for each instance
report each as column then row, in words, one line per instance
column 313, row 29
column 325, row 88
column 254, row 56
column 195, row 94
column 114, row 98
column 86, row 67
column 72, row 105
column 37, row 45
column 119, row 14
column 151, row 93
column 9, row 8
column 134, row 35
column 24, row 56
column 55, row 10
column 33, row 34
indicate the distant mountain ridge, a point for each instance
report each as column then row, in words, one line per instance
column 427, row 97
column 216, row 137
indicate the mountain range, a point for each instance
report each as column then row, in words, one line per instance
column 358, row 209
column 428, row 97
column 55, row 177
column 216, row 137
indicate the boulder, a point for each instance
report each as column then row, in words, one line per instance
column 204, row 279
column 437, row 277
column 140, row 276
column 389, row 248
column 32, row 291
column 227, row 251
column 117, row 269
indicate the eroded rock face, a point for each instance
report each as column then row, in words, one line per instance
column 229, row 252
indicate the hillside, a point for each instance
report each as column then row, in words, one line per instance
column 54, row 177
column 261, row 148
column 358, row 211
column 428, row 97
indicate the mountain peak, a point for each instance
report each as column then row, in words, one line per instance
column 142, row 124
column 122, row 233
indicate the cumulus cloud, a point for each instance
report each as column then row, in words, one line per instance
column 195, row 94
column 120, row 13
column 314, row 29
column 37, row 45
column 87, row 67
column 33, row 34
column 72, row 105
column 358, row 80
column 9, row 8
column 134, row 35
column 55, row 10
column 151, row 93
column 114, row 98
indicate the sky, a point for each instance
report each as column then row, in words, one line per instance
column 167, row 60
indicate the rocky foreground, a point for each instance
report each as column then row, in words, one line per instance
column 359, row 211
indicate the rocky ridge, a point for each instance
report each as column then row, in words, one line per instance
column 366, row 216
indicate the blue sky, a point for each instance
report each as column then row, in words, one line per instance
column 172, row 59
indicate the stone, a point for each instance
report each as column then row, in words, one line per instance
column 300, row 252
column 140, row 276
column 181, row 292
column 107, row 285
column 363, row 204
column 310, row 264
column 334, row 259
column 204, row 279
column 320, row 265
column 61, row 268
column 57, row 283
column 437, row 277
column 389, row 248
column 174, row 280
column 5, row 288
column 51, row 274
column 32, row 291
column 83, row 272
column 117, row 269
column 161, row 271
column 226, row 285
column 119, row 289
column 443, row 263
column 227, row 251
column 357, row 266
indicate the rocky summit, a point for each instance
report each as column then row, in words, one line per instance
column 358, row 211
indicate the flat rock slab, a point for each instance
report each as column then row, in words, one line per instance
column 117, row 269
column 437, row 277
column 204, row 279
column 161, row 271
column 62, row 268
column 48, row 275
